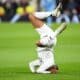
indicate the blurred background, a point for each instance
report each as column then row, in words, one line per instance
column 17, row 41
column 12, row 10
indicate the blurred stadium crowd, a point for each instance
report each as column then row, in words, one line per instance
column 11, row 10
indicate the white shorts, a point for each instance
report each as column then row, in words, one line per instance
column 46, row 35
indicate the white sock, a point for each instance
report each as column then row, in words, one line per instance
column 42, row 15
column 60, row 29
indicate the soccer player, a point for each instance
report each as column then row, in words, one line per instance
column 45, row 62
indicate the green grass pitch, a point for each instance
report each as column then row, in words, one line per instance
column 17, row 49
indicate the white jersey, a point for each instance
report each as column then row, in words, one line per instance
column 46, row 38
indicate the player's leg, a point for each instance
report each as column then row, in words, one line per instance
column 35, row 22
column 61, row 28
column 42, row 15
column 39, row 25
column 36, row 16
column 33, row 65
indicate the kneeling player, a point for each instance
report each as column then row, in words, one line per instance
column 45, row 60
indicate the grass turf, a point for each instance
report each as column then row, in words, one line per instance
column 17, row 49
